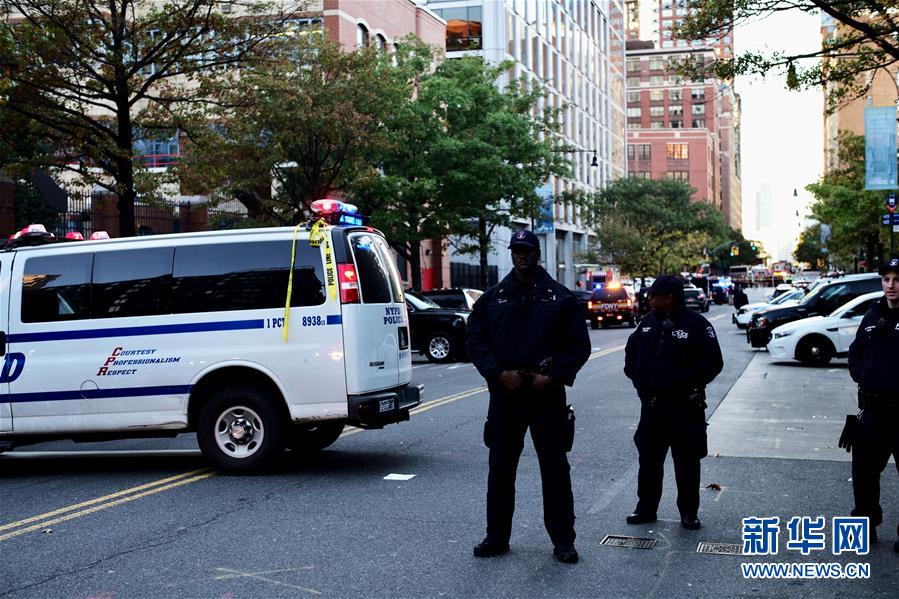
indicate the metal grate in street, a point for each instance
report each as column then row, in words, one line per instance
column 628, row 542
column 720, row 548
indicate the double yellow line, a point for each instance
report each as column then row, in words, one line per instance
column 84, row 508
column 64, row 514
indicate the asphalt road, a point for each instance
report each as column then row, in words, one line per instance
column 148, row 518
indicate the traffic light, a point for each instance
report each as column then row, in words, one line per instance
column 734, row 250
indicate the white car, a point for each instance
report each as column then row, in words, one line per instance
column 815, row 341
column 781, row 289
column 742, row 317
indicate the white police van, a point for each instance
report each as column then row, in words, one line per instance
column 158, row 335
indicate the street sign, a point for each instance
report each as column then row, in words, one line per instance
column 891, row 202
column 889, row 219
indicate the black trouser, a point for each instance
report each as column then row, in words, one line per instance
column 508, row 418
column 683, row 429
column 878, row 437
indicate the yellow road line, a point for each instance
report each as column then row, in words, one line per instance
column 103, row 506
column 605, row 352
column 91, row 502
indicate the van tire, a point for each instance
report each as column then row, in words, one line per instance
column 252, row 410
column 440, row 347
column 309, row 439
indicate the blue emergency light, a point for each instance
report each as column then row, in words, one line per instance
column 335, row 212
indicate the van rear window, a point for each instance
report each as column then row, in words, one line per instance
column 245, row 276
column 373, row 269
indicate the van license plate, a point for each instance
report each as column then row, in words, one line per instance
column 386, row 405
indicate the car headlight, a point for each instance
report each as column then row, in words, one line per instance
column 780, row 335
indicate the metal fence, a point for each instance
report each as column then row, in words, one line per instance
column 469, row 275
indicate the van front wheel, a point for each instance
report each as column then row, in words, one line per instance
column 241, row 429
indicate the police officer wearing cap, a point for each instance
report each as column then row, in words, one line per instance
column 528, row 339
column 873, row 357
column 670, row 357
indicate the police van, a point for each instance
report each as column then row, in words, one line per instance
column 256, row 339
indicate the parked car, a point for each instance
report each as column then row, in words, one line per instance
column 583, row 300
column 696, row 299
column 456, row 298
column 779, row 290
column 825, row 298
column 815, row 341
column 742, row 316
column 613, row 304
column 436, row 332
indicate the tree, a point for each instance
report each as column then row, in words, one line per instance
column 463, row 158
column 86, row 80
column 864, row 41
column 809, row 248
column 652, row 227
column 312, row 119
column 852, row 212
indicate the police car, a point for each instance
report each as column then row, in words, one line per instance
column 257, row 339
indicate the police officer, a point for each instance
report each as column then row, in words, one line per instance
column 670, row 357
column 527, row 338
column 872, row 364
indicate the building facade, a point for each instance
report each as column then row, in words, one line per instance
column 575, row 50
column 673, row 125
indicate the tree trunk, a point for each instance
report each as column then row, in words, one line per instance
column 415, row 263
column 483, row 251
column 126, row 207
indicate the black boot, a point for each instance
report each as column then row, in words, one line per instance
column 566, row 554
column 488, row 548
column 691, row 522
column 641, row 518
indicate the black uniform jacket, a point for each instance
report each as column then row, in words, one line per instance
column 874, row 353
column 513, row 328
column 672, row 360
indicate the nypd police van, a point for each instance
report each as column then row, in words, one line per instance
column 257, row 339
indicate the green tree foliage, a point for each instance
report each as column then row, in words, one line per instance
column 83, row 80
column 808, row 250
column 312, row 119
column 652, row 227
column 852, row 212
column 864, row 42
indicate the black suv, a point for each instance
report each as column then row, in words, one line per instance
column 456, row 298
column 612, row 304
column 438, row 333
column 822, row 301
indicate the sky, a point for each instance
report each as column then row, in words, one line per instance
column 782, row 131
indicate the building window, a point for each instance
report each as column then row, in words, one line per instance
column 633, row 82
column 634, row 112
column 640, row 174
column 381, row 43
column 644, row 151
column 656, row 80
column 361, row 35
column 633, row 97
column 675, row 110
column 633, row 65
column 463, row 27
column 676, row 124
column 657, row 125
column 698, row 109
column 631, row 151
column 678, row 175
column 678, row 151
column 699, row 123
column 674, row 95
column 656, row 111
column 656, row 95
column 656, row 64
column 697, row 96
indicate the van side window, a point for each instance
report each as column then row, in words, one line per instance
column 374, row 280
column 396, row 283
column 56, row 288
column 245, row 276
column 132, row 283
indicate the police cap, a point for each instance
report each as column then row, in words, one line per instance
column 524, row 238
column 891, row 265
column 667, row 284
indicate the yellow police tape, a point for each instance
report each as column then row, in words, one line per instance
column 318, row 236
column 293, row 257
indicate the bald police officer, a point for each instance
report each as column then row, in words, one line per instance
column 872, row 364
column 528, row 339
column 670, row 357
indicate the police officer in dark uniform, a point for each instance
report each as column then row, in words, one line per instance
column 670, row 357
column 872, row 364
column 527, row 338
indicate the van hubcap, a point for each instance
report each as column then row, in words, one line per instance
column 239, row 432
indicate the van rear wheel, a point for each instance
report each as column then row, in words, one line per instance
column 241, row 429
column 308, row 439
column 440, row 347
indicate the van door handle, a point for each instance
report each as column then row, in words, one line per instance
column 2, row 343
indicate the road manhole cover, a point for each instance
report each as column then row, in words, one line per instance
column 629, row 542
column 720, row 548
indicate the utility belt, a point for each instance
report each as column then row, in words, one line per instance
column 693, row 398
column 872, row 400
